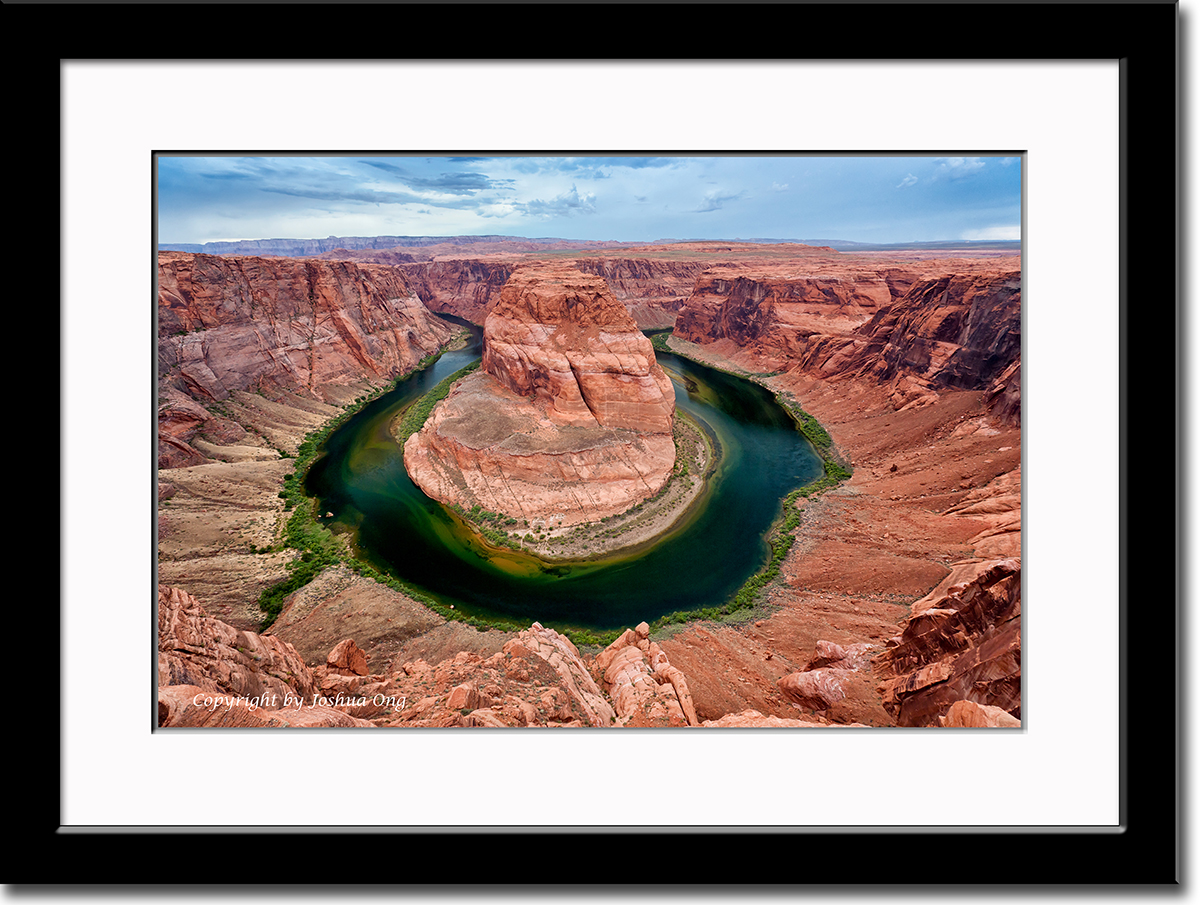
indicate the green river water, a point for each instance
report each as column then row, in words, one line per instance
column 360, row 478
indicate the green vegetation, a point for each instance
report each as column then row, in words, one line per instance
column 835, row 468
column 659, row 340
column 415, row 415
column 318, row 547
column 491, row 526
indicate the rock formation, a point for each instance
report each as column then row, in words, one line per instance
column 645, row 688
column 212, row 675
column 272, row 325
column 569, row 418
column 820, row 684
column 653, row 291
column 934, row 326
column 961, row 643
column 969, row 715
column 464, row 288
column 955, row 332
column 777, row 314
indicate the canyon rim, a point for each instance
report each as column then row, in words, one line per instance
column 886, row 590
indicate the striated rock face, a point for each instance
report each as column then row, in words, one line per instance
column 559, row 336
column 570, row 417
column 961, row 643
column 780, row 314
column 653, row 291
column 969, row 715
column 820, row 684
column 960, row 332
column 563, row 657
column 464, row 288
column 228, row 323
column 213, row 675
column 276, row 325
column 196, row 649
column 935, row 326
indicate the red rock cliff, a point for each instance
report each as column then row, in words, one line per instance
column 775, row 313
column 232, row 324
column 559, row 336
column 939, row 325
column 229, row 323
column 464, row 288
column 958, row 331
column 653, row 291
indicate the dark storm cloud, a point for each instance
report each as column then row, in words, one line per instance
column 463, row 183
column 600, row 166
column 368, row 197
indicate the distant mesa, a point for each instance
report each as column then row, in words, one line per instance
column 569, row 418
column 300, row 248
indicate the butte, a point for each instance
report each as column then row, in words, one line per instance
column 568, row 419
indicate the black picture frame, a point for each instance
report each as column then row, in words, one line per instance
column 1145, row 850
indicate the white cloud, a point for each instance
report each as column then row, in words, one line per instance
column 715, row 200
column 776, row 187
column 992, row 233
column 907, row 181
column 563, row 205
column 958, row 167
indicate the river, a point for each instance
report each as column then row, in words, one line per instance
column 360, row 478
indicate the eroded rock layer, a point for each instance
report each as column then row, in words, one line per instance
column 569, row 418
column 464, row 288
column 961, row 643
column 919, row 331
column 653, row 291
column 271, row 325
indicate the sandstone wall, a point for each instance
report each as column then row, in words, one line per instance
column 277, row 325
column 920, row 331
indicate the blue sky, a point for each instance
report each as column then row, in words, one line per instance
column 634, row 199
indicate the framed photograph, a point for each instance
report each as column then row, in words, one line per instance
column 917, row 271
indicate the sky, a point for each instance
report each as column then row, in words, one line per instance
column 629, row 199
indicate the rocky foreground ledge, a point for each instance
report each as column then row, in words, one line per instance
column 213, row 675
